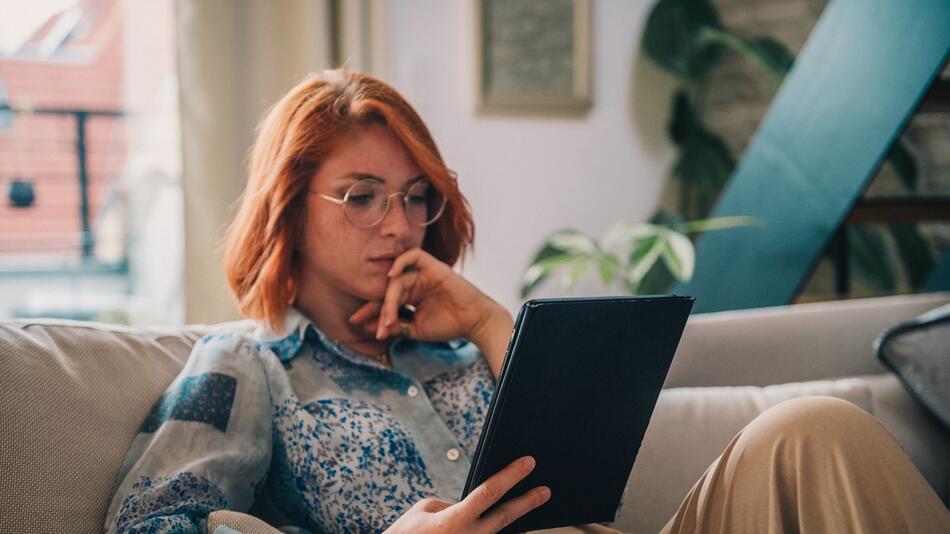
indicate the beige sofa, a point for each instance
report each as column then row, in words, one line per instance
column 72, row 396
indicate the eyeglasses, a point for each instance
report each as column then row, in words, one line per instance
column 366, row 202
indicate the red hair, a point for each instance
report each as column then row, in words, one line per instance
column 298, row 133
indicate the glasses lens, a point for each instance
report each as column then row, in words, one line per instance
column 365, row 203
column 424, row 203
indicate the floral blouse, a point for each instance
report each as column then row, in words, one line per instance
column 335, row 441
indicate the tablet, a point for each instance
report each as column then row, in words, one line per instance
column 580, row 380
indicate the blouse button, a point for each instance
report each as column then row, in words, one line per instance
column 412, row 391
column 452, row 454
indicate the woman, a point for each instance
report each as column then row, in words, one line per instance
column 339, row 414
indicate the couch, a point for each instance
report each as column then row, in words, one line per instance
column 73, row 394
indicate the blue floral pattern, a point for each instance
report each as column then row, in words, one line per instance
column 462, row 397
column 206, row 398
column 171, row 505
column 375, row 467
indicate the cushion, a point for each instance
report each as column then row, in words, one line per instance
column 924, row 440
column 694, row 425
column 918, row 352
column 230, row 522
column 72, row 397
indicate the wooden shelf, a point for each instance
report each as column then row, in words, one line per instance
column 937, row 98
column 900, row 210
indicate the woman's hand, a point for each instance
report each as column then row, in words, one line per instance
column 435, row 516
column 447, row 307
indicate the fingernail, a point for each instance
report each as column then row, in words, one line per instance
column 528, row 463
column 544, row 492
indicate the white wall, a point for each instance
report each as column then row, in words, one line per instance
column 526, row 177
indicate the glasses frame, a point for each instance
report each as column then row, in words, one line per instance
column 346, row 196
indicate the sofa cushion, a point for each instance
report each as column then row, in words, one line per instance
column 694, row 425
column 72, row 397
column 923, row 439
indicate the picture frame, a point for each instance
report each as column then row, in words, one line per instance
column 534, row 57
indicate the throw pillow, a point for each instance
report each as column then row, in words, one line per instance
column 918, row 352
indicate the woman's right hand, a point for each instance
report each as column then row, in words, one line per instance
column 435, row 516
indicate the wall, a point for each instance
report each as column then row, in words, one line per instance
column 526, row 177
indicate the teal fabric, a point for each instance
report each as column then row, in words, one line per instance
column 853, row 87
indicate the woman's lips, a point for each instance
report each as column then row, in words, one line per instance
column 383, row 263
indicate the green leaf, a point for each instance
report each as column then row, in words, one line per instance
column 581, row 265
column 704, row 165
column 766, row 52
column 718, row 223
column 771, row 54
column 573, row 242
column 658, row 280
column 678, row 254
column 870, row 258
column 904, row 165
column 914, row 251
column 614, row 236
column 608, row 265
column 705, row 161
column 683, row 119
column 546, row 260
column 622, row 234
column 644, row 255
column 665, row 218
column 671, row 37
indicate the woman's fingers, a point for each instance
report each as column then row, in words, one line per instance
column 507, row 513
column 404, row 261
column 493, row 489
column 431, row 505
column 370, row 327
column 396, row 294
column 366, row 312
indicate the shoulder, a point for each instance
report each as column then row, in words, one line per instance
column 227, row 350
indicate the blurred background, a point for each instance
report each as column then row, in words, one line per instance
column 124, row 127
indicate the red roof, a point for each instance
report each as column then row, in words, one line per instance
column 73, row 61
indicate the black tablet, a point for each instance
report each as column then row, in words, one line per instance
column 578, row 386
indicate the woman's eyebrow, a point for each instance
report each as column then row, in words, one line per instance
column 357, row 176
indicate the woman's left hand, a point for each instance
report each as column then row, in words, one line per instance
column 447, row 305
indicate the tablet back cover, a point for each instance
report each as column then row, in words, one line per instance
column 577, row 389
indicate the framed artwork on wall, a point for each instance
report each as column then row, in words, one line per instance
column 534, row 56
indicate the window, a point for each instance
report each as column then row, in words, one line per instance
column 90, row 219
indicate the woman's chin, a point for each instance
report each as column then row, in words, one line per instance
column 375, row 290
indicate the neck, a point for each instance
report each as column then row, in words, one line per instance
column 331, row 313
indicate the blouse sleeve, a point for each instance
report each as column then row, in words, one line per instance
column 205, row 445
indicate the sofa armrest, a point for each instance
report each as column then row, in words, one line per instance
column 790, row 343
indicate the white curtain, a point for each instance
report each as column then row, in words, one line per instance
column 235, row 59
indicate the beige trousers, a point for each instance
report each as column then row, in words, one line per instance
column 814, row 464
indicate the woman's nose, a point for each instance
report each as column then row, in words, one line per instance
column 396, row 220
